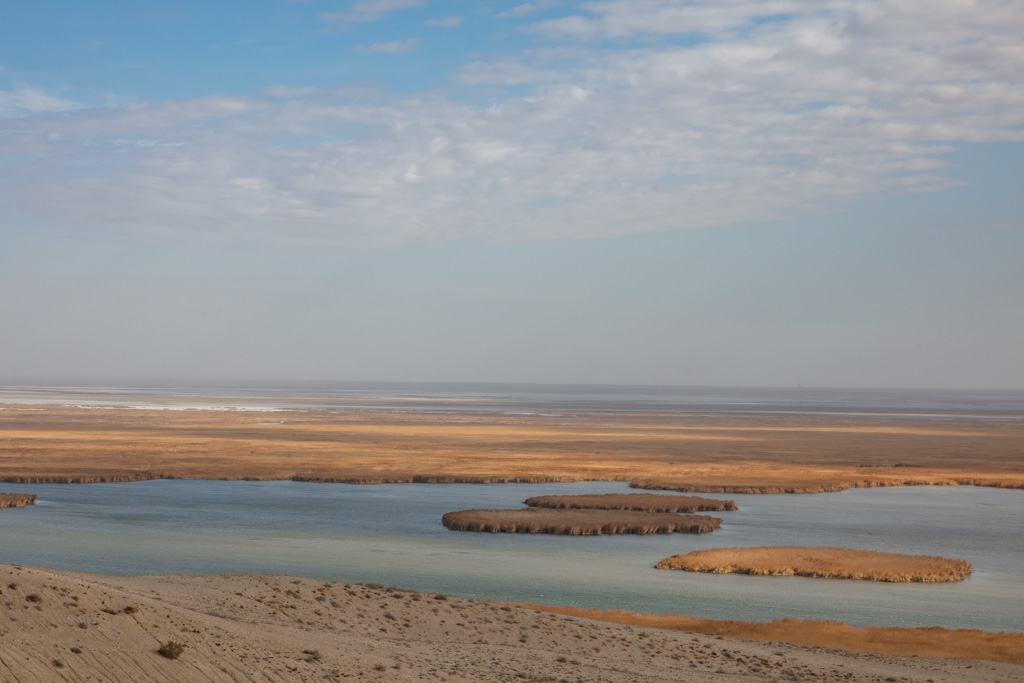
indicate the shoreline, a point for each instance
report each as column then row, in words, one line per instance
column 72, row 626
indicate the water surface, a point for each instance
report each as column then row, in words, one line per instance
column 392, row 534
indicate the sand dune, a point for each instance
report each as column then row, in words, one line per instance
column 65, row 626
column 829, row 563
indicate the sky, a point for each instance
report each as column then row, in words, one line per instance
column 699, row 192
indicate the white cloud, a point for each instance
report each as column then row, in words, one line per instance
column 627, row 18
column 366, row 11
column 837, row 99
column 527, row 9
column 506, row 72
column 26, row 101
column 393, row 47
column 445, row 22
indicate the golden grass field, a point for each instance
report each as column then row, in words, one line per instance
column 578, row 522
column 922, row 642
column 830, row 563
column 685, row 452
column 643, row 502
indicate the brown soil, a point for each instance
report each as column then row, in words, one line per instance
column 919, row 642
column 829, row 563
column 644, row 502
column 695, row 453
column 16, row 500
column 578, row 522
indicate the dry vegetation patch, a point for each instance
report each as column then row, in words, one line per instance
column 643, row 502
column 830, row 563
column 690, row 453
column 930, row 641
column 16, row 500
column 578, row 522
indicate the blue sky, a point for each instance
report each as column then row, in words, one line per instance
column 622, row 191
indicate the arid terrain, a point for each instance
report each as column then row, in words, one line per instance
column 755, row 453
column 65, row 626
column 828, row 563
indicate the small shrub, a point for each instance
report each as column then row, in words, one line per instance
column 172, row 649
column 58, row 663
column 77, row 650
column 130, row 609
column 380, row 667
column 33, row 597
column 313, row 655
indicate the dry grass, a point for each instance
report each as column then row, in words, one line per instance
column 922, row 642
column 578, row 522
column 643, row 502
column 829, row 563
column 16, row 500
column 694, row 453
column 172, row 649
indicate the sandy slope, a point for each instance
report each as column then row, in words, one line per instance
column 276, row 628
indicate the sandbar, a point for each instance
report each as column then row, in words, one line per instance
column 829, row 563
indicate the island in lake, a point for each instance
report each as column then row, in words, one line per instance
column 578, row 522
column 830, row 563
column 16, row 500
column 644, row 502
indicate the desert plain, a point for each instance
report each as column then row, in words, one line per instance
column 279, row 628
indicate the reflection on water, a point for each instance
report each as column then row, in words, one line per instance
column 392, row 534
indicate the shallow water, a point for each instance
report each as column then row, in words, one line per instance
column 392, row 534
column 534, row 398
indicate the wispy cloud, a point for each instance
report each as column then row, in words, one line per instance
column 626, row 18
column 366, row 11
column 527, row 9
column 759, row 121
column 25, row 101
column 393, row 47
column 445, row 22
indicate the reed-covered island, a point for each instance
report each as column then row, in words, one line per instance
column 16, row 500
column 642, row 502
column 829, row 563
column 578, row 522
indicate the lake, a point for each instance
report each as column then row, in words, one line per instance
column 392, row 534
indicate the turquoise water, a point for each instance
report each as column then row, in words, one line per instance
column 392, row 534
